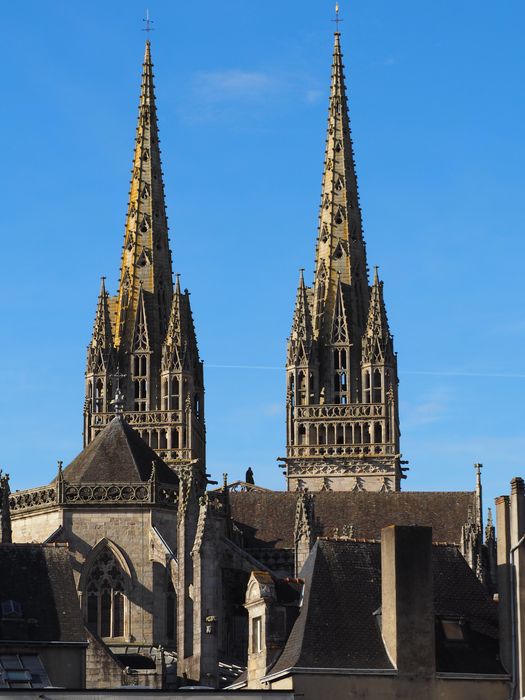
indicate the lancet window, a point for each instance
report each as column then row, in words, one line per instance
column 140, row 381
column 340, row 376
column 105, row 596
column 378, row 388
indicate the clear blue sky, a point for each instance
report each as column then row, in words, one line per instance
column 437, row 106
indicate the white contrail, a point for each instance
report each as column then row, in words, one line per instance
column 437, row 373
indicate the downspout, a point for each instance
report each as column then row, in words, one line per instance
column 513, row 618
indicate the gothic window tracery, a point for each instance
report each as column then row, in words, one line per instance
column 301, row 385
column 175, row 393
column 377, row 388
column 140, row 382
column 99, row 396
column 105, row 596
column 340, row 376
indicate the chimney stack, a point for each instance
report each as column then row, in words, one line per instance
column 407, row 594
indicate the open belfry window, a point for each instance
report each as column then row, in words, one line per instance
column 105, row 596
column 140, row 382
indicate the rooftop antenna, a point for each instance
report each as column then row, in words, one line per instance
column 337, row 19
column 148, row 28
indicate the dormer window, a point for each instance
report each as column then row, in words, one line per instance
column 453, row 629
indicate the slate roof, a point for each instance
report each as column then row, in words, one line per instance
column 267, row 519
column 117, row 455
column 336, row 627
column 40, row 579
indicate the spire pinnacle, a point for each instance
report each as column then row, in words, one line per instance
column 337, row 19
column 340, row 245
column 146, row 257
column 377, row 340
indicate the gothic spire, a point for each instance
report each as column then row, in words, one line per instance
column 377, row 341
column 340, row 245
column 302, row 331
column 101, row 345
column 180, row 348
column 146, row 257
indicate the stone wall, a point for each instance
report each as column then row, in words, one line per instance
column 35, row 527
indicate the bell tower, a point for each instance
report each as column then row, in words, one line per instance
column 145, row 333
column 342, row 415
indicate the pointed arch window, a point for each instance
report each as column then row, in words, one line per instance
column 105, row 596
column 99, row 396
column 140, row 382
column 175, row 393
column 301, row 386
column 340, row 376
column 378, row 387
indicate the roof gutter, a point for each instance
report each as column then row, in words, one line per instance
column 513, row 649
column 35, row 643
column 307, row 670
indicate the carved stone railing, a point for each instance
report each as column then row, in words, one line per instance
column 340, row 411
column 366, row 450
column 32, row 499
column 176, row 454
column 63, row 493
column 142, row 419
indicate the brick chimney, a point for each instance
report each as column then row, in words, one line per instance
column 407, row 597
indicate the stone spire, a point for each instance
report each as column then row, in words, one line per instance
column 180, row 350
column 301, row 337
column 377, row 341
column 341, row 391
column 146, row 257
column 142, row 333
column 341, row 253
column 100, row 349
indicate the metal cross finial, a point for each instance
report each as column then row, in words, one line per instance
column 337, row 20
column 118, row 401
column 148, row 28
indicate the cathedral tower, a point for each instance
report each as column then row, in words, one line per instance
column 143, row 338
column 342, row 416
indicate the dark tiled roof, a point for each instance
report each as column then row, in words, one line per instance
column 267, row 519
column 117, row 455
column 337, row 628
column 40, row 579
